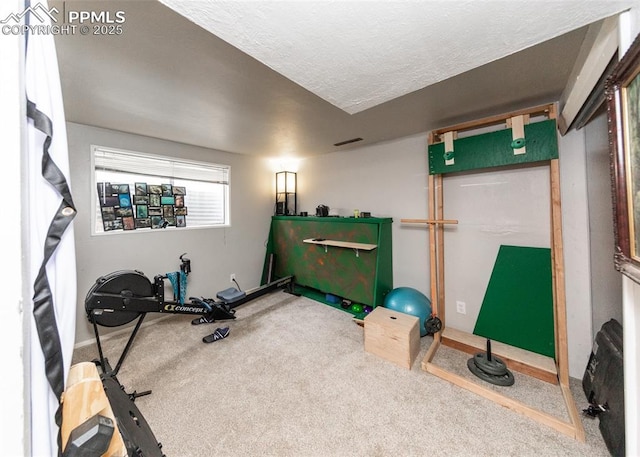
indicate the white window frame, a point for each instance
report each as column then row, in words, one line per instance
column 197, row 175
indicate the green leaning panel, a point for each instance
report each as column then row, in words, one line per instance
column 494, row 149
column 518, row 305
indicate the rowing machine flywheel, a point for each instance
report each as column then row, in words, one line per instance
column 490, row 368
column 107, row 299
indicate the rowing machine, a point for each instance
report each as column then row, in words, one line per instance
column 125, row 295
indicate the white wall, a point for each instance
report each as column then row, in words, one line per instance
column 215, row 253
column 575, row 227
column 387, row 180
column 390, row 179
column 493, row 208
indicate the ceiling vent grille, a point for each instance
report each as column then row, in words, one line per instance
column 353, row 140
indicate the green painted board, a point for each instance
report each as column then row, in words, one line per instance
column 493, row 149
column 363, row 276
column 518, row 305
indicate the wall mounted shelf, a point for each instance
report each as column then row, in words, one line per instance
column 342, row 244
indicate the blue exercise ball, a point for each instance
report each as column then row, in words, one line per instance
column 410, row 301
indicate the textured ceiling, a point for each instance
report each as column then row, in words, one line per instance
column 357, row 55
column 167, row 77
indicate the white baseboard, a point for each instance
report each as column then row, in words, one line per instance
column 119, row 332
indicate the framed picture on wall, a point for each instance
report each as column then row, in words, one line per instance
column 154, row 199
column 128, row 223
column 623, row 115
column 141, row 199
column 124, row 200
column 167, row 200
column 143, row 223
column 109, row 200
column 120, row 188
column 108, row 213
column 156, row 222
column 141, row 188
column 142, row 211
column 124, row 212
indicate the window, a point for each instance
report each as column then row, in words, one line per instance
column 206, row 191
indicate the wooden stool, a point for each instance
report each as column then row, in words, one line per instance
column 392, row 335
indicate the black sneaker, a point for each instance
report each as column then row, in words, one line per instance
column 219, row 334
column 203, row 320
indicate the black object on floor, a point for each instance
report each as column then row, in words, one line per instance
column 90, row 438
column 203, row 320
column 219, row 334
column 603, row 384
column 490, row 368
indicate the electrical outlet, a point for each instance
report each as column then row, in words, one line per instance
column 461, row 307
column 232, row 277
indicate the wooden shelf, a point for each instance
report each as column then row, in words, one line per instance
column 342, row 244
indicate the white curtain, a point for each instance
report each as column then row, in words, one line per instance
column 42, row 82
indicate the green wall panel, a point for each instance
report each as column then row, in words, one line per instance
column 518, row 305
column 364, row 277
column 493, row 149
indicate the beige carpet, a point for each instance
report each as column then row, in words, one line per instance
column 292, row 379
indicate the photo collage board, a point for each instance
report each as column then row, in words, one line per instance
column 151, row 206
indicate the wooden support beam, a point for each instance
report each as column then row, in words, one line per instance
column 574, row 415
column 429, row 221
column 541, row 110
column 435, row 302
column 560, row 307
column 439, row 196
column 525, row 362
column 566, row 428
column 431, row 352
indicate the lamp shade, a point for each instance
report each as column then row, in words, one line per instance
column 286, row 193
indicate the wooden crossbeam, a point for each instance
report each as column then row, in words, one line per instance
column 548, row 111
column 429, row 221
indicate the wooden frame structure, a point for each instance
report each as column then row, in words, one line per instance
column 541, row 367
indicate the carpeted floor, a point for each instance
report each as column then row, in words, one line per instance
column 293, row 379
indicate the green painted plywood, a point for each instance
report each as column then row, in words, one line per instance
column 518, row 305
column 494, row 149
column 364, row 277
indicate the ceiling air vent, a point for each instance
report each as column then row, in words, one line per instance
column 353, row 140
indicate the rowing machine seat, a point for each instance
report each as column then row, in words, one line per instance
column 231, row 295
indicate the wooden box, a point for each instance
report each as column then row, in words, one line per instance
column 392, row 335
